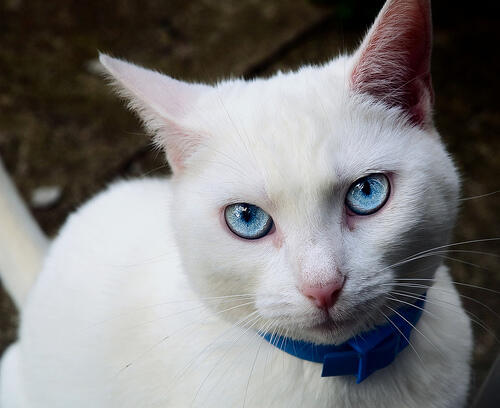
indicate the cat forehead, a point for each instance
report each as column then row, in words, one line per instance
column 298, row 135
column 311, row 91
column 274, row 130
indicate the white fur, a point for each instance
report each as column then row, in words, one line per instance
column 22, row 243
column 87, row 319
column 143, row 296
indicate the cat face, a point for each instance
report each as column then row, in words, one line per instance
column 294, row 152
column 298, row 168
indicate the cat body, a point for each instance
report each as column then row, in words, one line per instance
column 76, row 355
column 150, row 295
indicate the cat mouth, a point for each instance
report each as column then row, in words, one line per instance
column 340, row 322
column 330, row 324
column 327, row 325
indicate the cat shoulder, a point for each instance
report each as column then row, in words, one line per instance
column 129, row 220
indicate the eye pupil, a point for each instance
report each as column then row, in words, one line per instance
column 366, row 189
column 245, row 214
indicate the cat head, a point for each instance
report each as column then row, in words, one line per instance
column 310, row 192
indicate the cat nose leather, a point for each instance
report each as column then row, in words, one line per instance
column 323, row 296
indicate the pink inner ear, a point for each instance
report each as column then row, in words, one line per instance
column 394, row 60
column 162, row 102
column 177, row 151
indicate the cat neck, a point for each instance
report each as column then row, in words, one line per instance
column 362, row 354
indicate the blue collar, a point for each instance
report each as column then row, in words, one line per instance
column 362, row 354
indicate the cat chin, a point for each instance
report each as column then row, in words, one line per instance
column 328, row 332
column 333, row 331
column 336, row 327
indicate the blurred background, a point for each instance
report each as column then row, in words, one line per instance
column 64, row 136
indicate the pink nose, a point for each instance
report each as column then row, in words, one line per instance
column 324, row 296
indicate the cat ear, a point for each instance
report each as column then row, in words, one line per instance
column 161, row 102
column 393, row 62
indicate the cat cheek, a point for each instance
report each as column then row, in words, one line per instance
column 350, row 219
column 277, row 237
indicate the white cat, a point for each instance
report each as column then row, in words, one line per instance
column 303, row 207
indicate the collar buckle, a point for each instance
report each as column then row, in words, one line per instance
column 363, row 354
column 361, row 362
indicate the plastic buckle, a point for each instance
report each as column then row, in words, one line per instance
column 379, row 357
column 340, row 363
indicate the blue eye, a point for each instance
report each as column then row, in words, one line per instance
column 248, row 221
column 368, row 194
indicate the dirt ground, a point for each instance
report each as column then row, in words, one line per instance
column 61, row 126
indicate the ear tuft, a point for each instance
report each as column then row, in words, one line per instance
column 393, row 62
column 162, row 103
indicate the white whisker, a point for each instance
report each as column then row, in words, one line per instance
column 220, row 299
column 471, row 315
column 468, row 285
column 402, row 334
column 228, row 349
column 271, row 349
column 414, row 327
column 171, row 334
column 452, row 292
column 479, row 196
column 160, row 318
column 240, row 323
column 473, row 241
column 254, row 361
column 463, row 262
